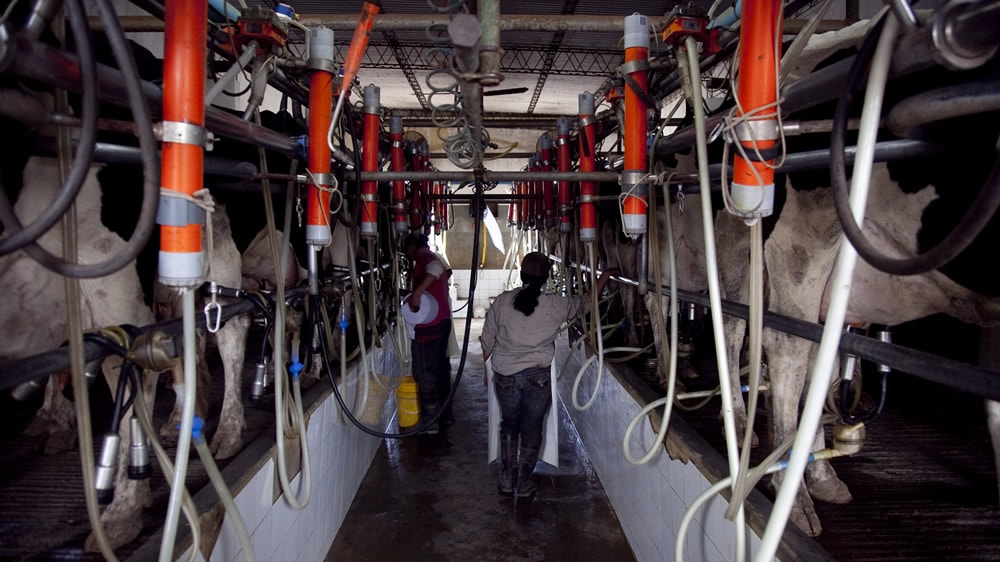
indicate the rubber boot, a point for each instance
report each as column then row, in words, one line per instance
column 427, row 413
column 526, row 460
column 508, row 464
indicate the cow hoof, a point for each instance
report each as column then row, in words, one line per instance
column 807, row 521
column 225, row 445
column 830, row 490
column 119, row 530
column 38, row 427
column 60, row 442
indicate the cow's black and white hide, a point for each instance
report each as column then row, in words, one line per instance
column 33, row 321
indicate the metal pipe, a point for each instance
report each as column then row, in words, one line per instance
column 489, row 44
column 906, row 117
column 36, row 61
column 508, row 22
column 489, row 175
column 953, row 374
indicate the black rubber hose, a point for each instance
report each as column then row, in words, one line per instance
column 969, row 227
column 355, row 218
column 20, row 235
column 150, row 162
column 116, row 412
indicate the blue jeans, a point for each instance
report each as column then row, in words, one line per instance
column 525, row 398
column 432, row 368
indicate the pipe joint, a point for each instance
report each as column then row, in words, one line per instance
column 183, row 133
column 952, row 49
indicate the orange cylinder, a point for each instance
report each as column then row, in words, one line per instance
column 563, row 164
column 183, row 159
column 548, row 196
column 398, row 163
column 588, row 213
column 634, row 172
column 318, row 199
column 359, row 43
column 752, row 188
column 369, row 161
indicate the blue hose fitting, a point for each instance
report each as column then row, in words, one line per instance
column 295, row 368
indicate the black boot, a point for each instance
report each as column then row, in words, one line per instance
column 526, row 472
column 427, row 413
column 508, row 464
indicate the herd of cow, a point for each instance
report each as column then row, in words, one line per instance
column 907, row 199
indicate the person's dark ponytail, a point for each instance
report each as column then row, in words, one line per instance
column 527, row 299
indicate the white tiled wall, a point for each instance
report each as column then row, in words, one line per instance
column 650, row 499
column 340, row 457
column 491, row 283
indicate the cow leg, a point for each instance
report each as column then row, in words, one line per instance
column 231, row 340
column 735, row 329
column 789, row 360
column 122, row 520
column 170, row 429
column 993, row 421
column 56, row 418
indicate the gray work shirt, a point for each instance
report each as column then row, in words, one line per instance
column 517, row 342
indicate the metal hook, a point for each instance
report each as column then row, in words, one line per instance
column 213, row 304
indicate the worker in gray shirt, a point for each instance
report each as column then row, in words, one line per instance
column 519, row 333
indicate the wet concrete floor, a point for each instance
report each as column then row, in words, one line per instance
column 433, row 497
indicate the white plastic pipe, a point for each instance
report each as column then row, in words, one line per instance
column 714, row 291
column 840, row 292
column 187, row 419
column 225, row 497
column 599, row 357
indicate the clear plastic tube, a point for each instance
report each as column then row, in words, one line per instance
column 599, row 357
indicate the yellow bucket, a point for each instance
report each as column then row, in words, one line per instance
column 406, row 399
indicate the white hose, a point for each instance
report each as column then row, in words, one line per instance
column 840, row 292
column 167, row 468
column 248, row 53
column 227, row 498
column 714, row 291
column 668, row 400
column 359, row 324
column 187, row 418
column 334, row 118
column 596, row 315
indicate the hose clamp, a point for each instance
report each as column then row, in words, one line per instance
column 561, row 140
column 585, row 198
column 756, row 130
column 371, row 197
column 633, row 177
column 325, row 65
column 179, row 132
column 397, row 143
column 587, row 120
column 633, row 66
column 321, row 178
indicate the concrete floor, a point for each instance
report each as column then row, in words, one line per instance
column 433, row 498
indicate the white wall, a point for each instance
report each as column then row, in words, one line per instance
column 341, row 455
column 649, row 500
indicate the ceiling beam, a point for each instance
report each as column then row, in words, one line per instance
column 550, row 56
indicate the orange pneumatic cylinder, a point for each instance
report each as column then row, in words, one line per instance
column 398, row 163
column 369, row 161
column 633, row 180
column 181, row 258
column 563, row 163
column 359, row 43
column 548, row 197
column 752, row 189
column 588, row 213
column 321, row 53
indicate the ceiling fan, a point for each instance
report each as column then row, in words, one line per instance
column 506, row 91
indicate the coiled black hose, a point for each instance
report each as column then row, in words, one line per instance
column 980, row 212
column 20, row 235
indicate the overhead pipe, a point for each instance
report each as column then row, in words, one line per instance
column 321, row 62
column 38, row 62
column 369, row 189
column 507, row 22
column 752, row 188
column 635, row 188
column 181, row 260
column 488, row 175
column 398, row 163
column 588, row 189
